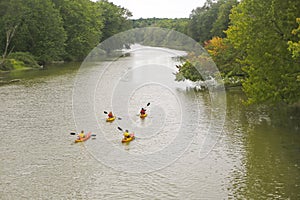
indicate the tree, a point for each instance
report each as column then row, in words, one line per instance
column 45, row 27
column 33, row 26
column 197, row 67
column 222, row 22
column 83, row 25
column 115, row 18
column 200, row 24
column 262, row 29
column 179, row 24
column 224, row 55
column 294, row 47
column 210, row 20
column 9, row 24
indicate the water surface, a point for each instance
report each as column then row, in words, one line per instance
column 255, row 157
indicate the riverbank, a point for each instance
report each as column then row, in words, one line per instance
column 33, row 74
column 4, row 82
column 18, row 61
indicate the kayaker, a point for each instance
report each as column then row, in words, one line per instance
column 81, row 135
column 143, row 111
column 110, row 115
column 126, row 134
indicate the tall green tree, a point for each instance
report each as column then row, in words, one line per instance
column 83, row 25
column 201, row 21
column 262, row 30
column 225, row 56
column 210, row 20
column 45, row 26
column 222, row 22
column 9, row 24
column 36, row 26
column 115, row 18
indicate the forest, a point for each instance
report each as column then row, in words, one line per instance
column 255, row 44
column 55, row 30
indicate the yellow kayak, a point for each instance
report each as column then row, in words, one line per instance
column 87, row 136
column 143, row 116
column 128, row 139
column 110, row 119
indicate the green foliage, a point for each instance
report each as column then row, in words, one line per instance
column 11, row 18
column 179, row 25
column 262, row 29
column 53, row 30
column 210, row 20
column 225, row 56
column 222, row 22
column 25, row 57
column 196, row 67
column 294, row 46
column 40, row 30
column 16, row 64
column 115, row 18
column 83, row 24
column 188, row 71
column 18, row 61
column 6, row 65
column 160, row 37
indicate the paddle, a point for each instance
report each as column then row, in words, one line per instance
column 119, row 118
column 148, row 104
column 122, row 129
column 93, row 136
column 72, row 133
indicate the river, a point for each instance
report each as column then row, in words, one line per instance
column 255, row 156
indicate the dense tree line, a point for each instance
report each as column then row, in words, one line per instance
column 210, row 20
column 54, row 30
column 207, row 25
column 262, row 31
column 254, row 43
column 177, row 24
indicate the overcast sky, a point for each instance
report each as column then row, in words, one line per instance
column 159, row 8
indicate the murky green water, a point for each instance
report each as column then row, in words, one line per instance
column 257, row 156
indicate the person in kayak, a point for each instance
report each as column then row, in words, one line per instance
column 110, row 115
column 143, row 111
column 81, row 135
column 126, row 134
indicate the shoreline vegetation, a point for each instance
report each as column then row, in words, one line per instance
column 254, row 48
column 18, row 61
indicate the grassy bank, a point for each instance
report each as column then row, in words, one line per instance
column 17, row 62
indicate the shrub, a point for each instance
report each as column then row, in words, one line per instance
column 24, row 57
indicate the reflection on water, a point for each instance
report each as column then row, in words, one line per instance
column 256, row 157
column 270, row 165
